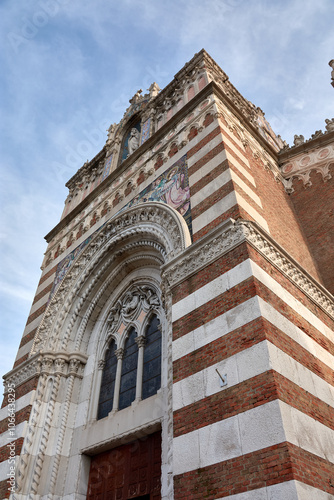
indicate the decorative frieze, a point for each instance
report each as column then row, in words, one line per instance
column 300, row 166
column 47, row 363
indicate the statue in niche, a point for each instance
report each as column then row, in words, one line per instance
column 133, row 141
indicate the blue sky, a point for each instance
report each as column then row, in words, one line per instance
column 69, row 68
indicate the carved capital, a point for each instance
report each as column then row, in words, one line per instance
column 140, row 341
column 101, row 364
column 119, row 353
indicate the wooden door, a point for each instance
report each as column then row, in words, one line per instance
column 129, row 471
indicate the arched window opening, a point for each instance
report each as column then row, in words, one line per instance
column 132, row 364
column 127, row 393
column 108, row 382
column 152, row 359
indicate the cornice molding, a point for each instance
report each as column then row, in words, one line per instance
column 125, row 437
column 47, row 363
column 231, row 234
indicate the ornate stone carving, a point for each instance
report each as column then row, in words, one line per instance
column 47, row 364
column 301, row 166
column 298, row 139
column 130, row 305
column 23, row 372
column 154, row 89
column 101, row 364
column 119, row 353
column 163, row 227
column 329, row 125
column 212, row 246
column 292, row 270
column 331, row 64
column 140, row 341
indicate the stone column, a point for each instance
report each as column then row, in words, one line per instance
column 119, row 355
column 140, row 341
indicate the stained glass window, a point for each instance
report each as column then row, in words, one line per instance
column 152, row 359
column 108, row 382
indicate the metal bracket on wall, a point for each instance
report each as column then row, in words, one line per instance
column 222, row 379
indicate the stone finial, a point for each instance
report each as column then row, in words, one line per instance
column 298, row 140
column 331, row 64
column 154, row 90
column 136, row 97
column 316, row 134
column 329, row 125
column 111, row 133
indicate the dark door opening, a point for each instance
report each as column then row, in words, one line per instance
column 128, row 472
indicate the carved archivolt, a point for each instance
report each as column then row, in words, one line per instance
column 154, row 224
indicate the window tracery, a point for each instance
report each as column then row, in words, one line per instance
column 131, row 368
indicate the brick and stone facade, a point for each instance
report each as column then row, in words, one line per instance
column 194, row 213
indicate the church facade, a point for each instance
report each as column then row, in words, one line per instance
column 180, row 344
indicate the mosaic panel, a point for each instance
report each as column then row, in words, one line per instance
column 145, row 130
column 107, row 167
column 172, row 188
column 66, row 263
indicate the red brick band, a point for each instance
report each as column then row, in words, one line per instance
column 273, row 465
column 5, row 451
column 262, row 262
column 44, row 292
column 20, row 416
column 222, row 348
column 214, row 307
column 212, row 271
column 249, row 394
column 210, row 176
column 22, row 389
column 211, row 135
column 47, row 275
column 211, row 200
column 235, row 212
column 36, row 314
column 283, row 308
column 242, row 338
column 26, row 338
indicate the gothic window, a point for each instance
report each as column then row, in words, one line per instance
column 108, row 382
column 127, row 392
column 152, row 359
column 132, row 365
